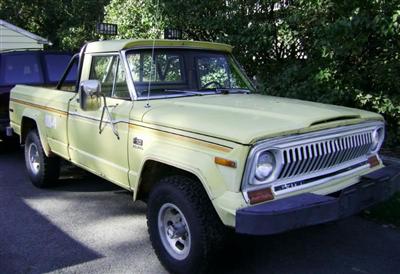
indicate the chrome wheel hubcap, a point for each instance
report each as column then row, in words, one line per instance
column 174, row 231
column 33, row 158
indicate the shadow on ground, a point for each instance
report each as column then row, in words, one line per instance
column 29, row 241
column 353, row 245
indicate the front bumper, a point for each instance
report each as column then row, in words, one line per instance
column 310, row 209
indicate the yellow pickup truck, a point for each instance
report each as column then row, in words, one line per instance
column 180, row 125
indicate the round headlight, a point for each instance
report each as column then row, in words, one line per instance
column 265, row 165
column 377, row 138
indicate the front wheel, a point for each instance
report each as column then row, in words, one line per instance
column 42, row 170
column 184, row 228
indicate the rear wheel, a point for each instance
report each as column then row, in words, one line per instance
column 42, row 170
column 184, row 229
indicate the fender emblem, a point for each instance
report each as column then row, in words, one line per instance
column 137, row 142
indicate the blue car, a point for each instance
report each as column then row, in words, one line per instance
column 36, row 68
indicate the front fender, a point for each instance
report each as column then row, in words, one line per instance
column 216, row 179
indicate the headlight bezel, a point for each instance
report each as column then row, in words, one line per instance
column 257, row 153
column 265, row 165
column 378, row 137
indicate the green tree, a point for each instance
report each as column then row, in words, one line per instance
column 67, row 24
column 135, row 18
column 340, row 52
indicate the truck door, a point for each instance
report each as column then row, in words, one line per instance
column 100, row 145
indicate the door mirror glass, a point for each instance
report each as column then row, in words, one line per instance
column 90, row 95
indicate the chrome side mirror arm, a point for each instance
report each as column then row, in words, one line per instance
column 107, row 110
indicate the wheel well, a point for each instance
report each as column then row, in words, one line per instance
column 27, row 125
column 153, row 171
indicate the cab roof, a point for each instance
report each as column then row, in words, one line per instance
column 117, row 45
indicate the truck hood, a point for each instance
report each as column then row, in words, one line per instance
column 245, row 119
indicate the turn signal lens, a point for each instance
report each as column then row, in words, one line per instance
column 261, row 195
column 224, row 162
column 373, row 161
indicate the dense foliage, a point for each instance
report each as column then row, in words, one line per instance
column 67, row 24
column 135, row 18
column 340, row 52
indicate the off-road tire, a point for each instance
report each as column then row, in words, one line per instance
column 48, row 169
column 206, row 229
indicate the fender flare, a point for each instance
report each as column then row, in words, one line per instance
column 184, row 167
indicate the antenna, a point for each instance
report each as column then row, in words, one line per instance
column 152, row 53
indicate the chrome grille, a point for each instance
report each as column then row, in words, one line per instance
column 325, row 154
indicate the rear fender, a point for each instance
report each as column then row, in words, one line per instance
column 37, row 117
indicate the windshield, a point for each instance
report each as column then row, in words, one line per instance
column 188, row 72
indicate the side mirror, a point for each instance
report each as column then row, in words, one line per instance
column 90, row 95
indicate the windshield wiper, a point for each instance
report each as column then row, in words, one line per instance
column 189, row 91
column 211, row 91
column 232, row 90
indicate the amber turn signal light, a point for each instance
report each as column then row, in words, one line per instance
column 373, row 161
column 224, row 162
column 261, row 195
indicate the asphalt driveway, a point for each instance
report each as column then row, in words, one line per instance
column 87, row 225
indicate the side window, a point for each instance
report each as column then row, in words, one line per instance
column 120, row 87
column 103, row 69
column 111, row 74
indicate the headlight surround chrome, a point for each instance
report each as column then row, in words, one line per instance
column 378, row 135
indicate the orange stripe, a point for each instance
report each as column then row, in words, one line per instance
column 158, row 132
column 186, row 138
column 39, row 106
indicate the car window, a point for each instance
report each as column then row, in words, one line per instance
column 120, row 89
column 111, row 74
column 103, row 69
column 183, row 72
column 20, row 69
column 56, row 64
column 215, row 71
column 167, row 67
